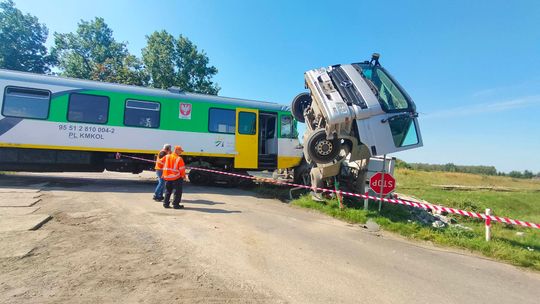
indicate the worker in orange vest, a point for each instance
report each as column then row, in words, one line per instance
column 158, row 193
column 174, row 171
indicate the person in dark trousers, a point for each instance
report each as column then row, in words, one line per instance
column 174, row 171
column 158, row 193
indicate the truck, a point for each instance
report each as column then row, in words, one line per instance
column 353, row 112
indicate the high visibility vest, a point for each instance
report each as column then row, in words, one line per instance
column 159, row 160
column 174, row 167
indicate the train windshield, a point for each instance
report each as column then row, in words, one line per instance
column 391, row 96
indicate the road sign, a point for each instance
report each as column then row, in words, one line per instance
column 376, row 183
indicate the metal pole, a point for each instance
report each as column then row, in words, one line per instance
column 382, row 181
column 366, row 201
column 488, row 225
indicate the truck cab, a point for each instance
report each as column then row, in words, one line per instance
column 356, row 108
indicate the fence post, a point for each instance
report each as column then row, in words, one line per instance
column 488, row 225
column 366, row 201
column 338, row 193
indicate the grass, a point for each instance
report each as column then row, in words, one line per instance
column 522, row 203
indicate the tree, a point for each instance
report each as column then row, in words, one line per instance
column 515, row 174
column 22, row 40
column 528, row 174
column 93, row 53
column 177, row 62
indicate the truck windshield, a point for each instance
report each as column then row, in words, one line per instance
column 390, row 94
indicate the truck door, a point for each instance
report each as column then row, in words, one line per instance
column 247, row 138
column 390, row 132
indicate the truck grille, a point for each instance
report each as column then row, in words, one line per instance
column 346, row 87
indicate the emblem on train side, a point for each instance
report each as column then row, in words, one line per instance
column 219, row 142
column 185, row 111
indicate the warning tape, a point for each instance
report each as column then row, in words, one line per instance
column 366, row 196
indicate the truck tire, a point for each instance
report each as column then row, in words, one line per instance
column 322, row 150
column 301, row 102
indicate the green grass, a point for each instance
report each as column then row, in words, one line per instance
column 522, row 203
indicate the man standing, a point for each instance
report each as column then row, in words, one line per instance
column 158, row 193
column 174, row 171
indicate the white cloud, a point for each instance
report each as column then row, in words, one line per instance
column 488, row 107
column 506, row 89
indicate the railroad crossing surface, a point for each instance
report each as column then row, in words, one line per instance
column 107, row 241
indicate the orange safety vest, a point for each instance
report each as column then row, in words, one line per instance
column 174, row 167
column 159, row 160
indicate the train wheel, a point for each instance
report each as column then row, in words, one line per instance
column 197, row 178
column 301, row 102
column 322, row 150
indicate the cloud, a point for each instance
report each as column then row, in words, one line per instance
column 486, row 93
column 488, row 107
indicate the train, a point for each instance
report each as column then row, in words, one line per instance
column 56, row 124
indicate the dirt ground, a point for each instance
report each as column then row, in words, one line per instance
column 108, row 242
column 99, row 250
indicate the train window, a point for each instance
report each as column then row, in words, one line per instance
column 286, row 126
column 140, row 113
column 247, row 123
column 26, row 103
column 88, row 108
column 221, row 121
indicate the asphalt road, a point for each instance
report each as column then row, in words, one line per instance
column 253, row 249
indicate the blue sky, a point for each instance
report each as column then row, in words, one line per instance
column 472, row 67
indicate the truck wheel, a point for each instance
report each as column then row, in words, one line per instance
column 322, row 150
column 301, row 102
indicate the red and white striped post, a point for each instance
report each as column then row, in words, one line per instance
column 488, row 225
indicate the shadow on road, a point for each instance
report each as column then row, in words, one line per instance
column 203, row 202
column 210, row 210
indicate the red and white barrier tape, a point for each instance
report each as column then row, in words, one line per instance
column 365, row 196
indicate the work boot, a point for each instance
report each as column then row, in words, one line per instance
column 166, row 206
column 178, row 206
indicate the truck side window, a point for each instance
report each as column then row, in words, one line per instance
column 404, row 131
column 26, row 103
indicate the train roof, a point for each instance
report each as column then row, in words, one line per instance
column 130, row 89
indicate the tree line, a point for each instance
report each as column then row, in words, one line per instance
column 92, row 52
column 450, row 167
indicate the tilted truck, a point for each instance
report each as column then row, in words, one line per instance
column 353, row 112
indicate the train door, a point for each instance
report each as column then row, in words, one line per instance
column 268, row 140
column 247, row 138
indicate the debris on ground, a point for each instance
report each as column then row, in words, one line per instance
column 429, row 217
column 371, row 226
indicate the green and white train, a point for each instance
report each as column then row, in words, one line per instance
column 50, row 123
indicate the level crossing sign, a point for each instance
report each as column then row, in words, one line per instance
column 386, row 184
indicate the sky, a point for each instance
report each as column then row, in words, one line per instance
column 472, row 67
